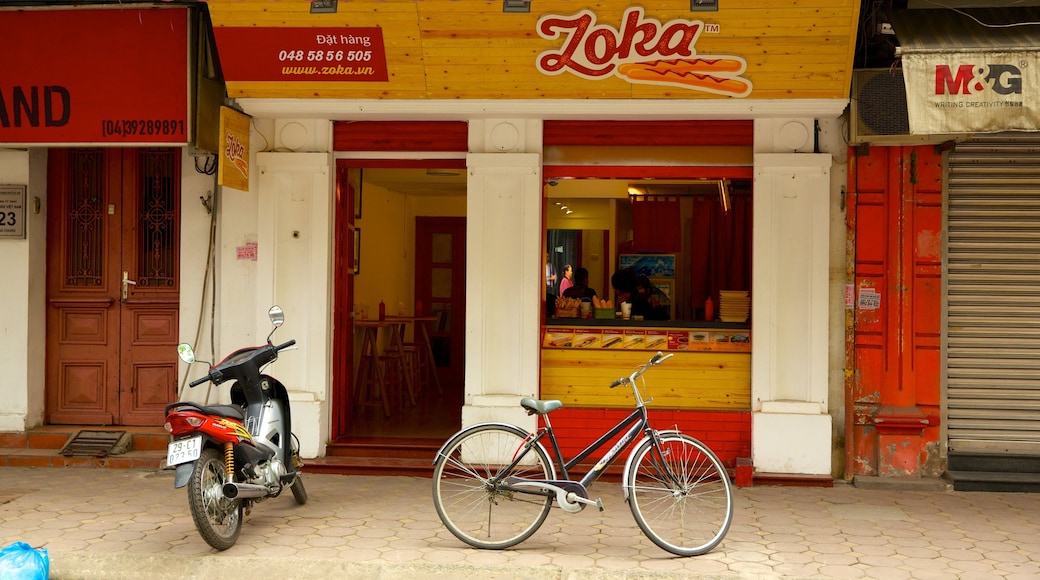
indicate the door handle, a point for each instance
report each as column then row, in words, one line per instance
column 126, row 284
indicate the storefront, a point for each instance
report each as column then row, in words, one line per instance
column 514, row 80
column 101, row 138
column 943, row 380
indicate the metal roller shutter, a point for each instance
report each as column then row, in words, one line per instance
column 993, row 295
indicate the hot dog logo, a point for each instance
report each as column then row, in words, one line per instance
column 643, row 51
column 234, row 151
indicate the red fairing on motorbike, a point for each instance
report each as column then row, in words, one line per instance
column 219, row 429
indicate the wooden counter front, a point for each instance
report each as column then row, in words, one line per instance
column 711, row 369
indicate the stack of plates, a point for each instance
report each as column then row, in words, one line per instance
column 734, row 305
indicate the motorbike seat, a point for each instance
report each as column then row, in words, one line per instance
column 229, row 411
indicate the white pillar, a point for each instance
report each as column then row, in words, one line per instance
column 503, row 271
column 23, row 294
column 294, row 241
column 791, row 429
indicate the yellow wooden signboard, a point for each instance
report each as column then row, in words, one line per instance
column 233, row 167
column 471, row 49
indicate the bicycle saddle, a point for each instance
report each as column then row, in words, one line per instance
column 537, row 407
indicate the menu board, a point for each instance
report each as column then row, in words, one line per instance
column 647, row 339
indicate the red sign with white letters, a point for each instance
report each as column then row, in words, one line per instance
column 95, row 76
column 301, row 54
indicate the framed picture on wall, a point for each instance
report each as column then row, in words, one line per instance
column 357, row 251
column 356, row 184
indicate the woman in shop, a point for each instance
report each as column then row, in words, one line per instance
column 568, row 279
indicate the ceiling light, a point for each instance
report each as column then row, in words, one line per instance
column 569, row 212
column 633, row 190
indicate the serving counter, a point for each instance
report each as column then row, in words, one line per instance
column 711, row 369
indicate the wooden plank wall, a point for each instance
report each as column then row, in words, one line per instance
column 470, row 49
column 688, row 380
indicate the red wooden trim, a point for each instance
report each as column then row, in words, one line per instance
column 671, row 133
column 642, row 171
column 403, row 163
column 401, row 136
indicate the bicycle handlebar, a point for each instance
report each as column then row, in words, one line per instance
column 657, row 359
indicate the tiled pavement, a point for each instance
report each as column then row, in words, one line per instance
column 131, row 523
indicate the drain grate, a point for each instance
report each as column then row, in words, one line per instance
column 96, row 444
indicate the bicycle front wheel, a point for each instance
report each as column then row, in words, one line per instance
column 471, row 496
column 680, row 494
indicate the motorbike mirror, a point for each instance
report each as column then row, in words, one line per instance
column 276, row 315
column 186, row 353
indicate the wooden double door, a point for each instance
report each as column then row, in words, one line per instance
column 112, row 285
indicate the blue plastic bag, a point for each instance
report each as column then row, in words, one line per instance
column 20, row 561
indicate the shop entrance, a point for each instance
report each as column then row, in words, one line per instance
column 112, row 285
column 403, row 254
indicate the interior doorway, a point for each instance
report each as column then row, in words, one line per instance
column 112, row 285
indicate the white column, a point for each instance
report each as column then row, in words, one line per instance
column 294, row 241
column 791, row 429
column 503, row 271
column 23, row 294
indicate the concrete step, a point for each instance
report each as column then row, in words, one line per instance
column 41, row 448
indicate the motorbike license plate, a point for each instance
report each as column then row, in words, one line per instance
column 184, row 450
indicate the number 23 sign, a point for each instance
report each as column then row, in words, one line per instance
column 12, row 211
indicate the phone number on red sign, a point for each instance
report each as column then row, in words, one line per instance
column 325, row 55
column 131, row 127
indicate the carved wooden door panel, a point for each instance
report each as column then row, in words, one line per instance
column 112, row 285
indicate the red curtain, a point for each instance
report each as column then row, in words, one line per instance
column 656, row 224
column 721, row 248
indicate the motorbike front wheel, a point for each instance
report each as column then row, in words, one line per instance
column 298, row 491
column 218, row 519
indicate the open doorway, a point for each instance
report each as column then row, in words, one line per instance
column 401, row 291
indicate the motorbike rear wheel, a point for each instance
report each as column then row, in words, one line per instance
column 217, row 518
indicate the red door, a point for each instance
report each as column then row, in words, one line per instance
column 112, row 285
column 347, row 186
column 440, row 283
column 895, row 215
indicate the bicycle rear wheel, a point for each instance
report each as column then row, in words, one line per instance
column 681, row 497
column 470, row 496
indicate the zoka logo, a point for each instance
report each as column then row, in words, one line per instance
column 593, row 51
column 972, row 79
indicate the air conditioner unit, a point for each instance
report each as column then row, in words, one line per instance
column 877, row 111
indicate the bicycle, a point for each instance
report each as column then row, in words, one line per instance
column 494, row 484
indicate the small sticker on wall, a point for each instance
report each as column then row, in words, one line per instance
column 246, row 252
column 869, row 299
column 850, row 296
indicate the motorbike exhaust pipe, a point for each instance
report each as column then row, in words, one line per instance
column 234, row 490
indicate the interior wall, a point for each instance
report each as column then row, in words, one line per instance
column 387, row 226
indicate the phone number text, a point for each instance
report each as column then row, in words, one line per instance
column 325, row 55
column 131, row 127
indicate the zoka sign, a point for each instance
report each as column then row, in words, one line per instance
column 644, row 51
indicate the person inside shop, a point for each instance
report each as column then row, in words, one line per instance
column 640, row 293
column 568, row 278
column 654, row 297
column 550, row 277
column 580, row 289
column 550, row 287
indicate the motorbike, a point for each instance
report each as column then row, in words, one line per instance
column 234, row 456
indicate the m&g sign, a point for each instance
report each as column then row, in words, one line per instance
column 12, row 211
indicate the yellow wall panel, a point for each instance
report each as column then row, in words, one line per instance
column 688, row 380
column 794, row 49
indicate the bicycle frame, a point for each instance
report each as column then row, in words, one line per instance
column 638, row 420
